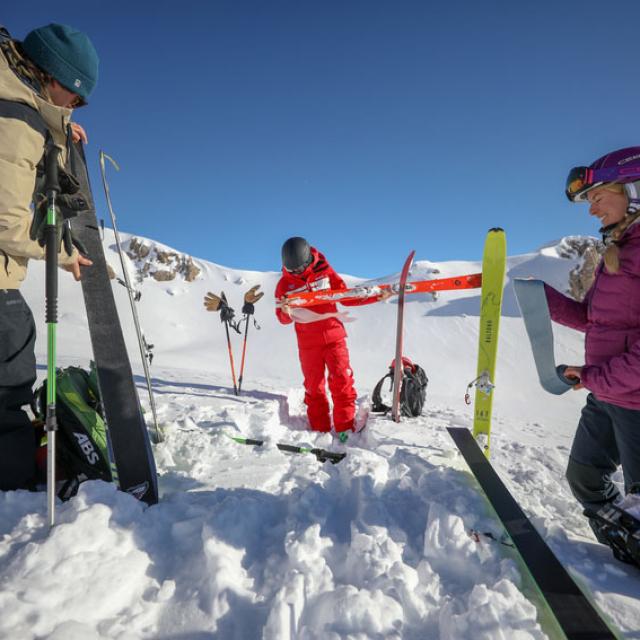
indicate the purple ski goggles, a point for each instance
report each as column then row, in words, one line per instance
column 581, row 180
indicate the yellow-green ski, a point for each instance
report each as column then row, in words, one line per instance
column 493, row 268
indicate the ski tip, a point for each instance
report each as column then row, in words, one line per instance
column 496, row 230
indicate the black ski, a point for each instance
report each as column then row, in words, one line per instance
column 132, row 452
column 322, row 455
column 573, row 611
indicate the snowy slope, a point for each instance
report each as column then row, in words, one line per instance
column 256, row 543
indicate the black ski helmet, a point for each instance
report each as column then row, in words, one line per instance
column 296, row 254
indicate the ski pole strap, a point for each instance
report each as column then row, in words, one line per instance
column 532, row 301
column 246, row 318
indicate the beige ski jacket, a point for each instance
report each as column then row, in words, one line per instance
column 21, row 148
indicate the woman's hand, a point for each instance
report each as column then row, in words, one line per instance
column 574, row 373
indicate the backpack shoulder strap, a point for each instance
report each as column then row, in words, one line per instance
column 26, row 113
column 377, row 405
column 20, row 110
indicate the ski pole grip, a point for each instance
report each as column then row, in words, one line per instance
column 51, row 283
column 52, row 183
column 560, row 369
column 52, row 187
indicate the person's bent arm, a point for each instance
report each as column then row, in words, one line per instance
column 565, row 311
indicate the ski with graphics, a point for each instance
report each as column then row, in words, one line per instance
column 131, row 446
column 312, row 298
column 493, row 268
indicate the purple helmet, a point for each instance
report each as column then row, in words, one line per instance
column 621, row 166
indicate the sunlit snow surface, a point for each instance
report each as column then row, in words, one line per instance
column 252, row 542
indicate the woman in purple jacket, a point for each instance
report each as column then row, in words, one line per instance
column 608, row 433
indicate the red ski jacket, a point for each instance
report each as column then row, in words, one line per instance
column 319, row 275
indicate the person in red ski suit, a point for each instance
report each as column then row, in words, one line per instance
column 322, row 344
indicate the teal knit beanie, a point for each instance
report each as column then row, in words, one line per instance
column 66, row 54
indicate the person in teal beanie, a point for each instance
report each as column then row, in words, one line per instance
column 42, row 80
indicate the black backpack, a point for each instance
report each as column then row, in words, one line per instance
column 413, row 389
column 82, row 442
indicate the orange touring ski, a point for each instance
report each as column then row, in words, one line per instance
column 398, row 366
column 311, row 298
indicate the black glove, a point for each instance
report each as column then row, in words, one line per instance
column 64, row 233
column 70, row 201
column 226, row 313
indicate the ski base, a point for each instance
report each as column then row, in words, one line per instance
column 575, row 614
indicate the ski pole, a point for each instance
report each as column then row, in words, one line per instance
column 226, row 316
column 250, row 298
column 244, row 351
column 159, row 437
column 233, row 371
column 213, row 302
column 51, row 314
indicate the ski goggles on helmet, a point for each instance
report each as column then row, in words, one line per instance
column 581, row 180
column 296, row 271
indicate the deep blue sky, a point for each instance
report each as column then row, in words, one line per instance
column 370, row 127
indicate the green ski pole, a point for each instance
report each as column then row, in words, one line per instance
column 51, row 315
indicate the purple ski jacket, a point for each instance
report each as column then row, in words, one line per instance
column 609, row 315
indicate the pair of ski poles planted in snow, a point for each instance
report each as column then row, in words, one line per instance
column 212, row 302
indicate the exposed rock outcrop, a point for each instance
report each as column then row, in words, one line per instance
column 160, row 264
column 588, row 251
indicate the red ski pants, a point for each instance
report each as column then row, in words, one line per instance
column 333, row 357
